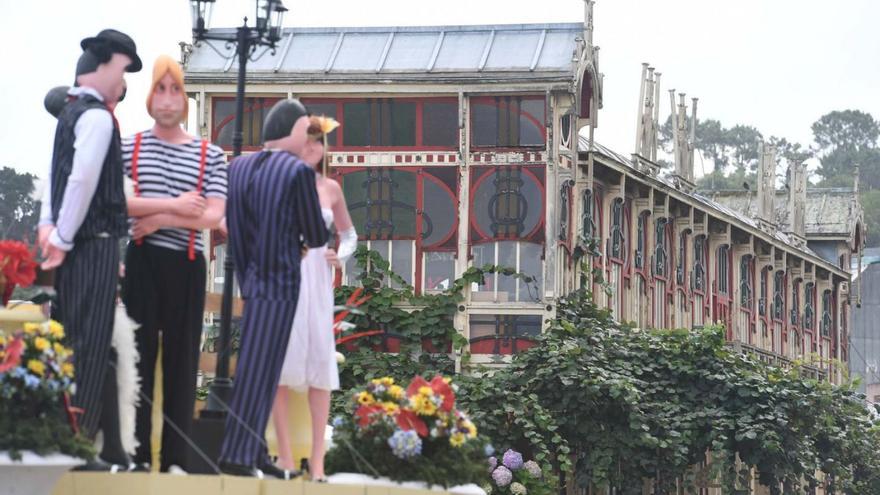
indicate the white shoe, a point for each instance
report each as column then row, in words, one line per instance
column 176, row 470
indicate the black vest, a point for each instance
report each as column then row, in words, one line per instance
column 107, row 211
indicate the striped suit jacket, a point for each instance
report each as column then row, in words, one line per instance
column 272, row 206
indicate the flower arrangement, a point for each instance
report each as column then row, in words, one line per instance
column 36, row 378
column 511, row 475
column 17, row 268
column 408, row 434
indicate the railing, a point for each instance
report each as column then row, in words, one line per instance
column 773, row 359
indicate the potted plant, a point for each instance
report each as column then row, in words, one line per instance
column 38, row 437
column 408, row 434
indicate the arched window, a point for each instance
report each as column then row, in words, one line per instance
column 809, row 310
column 699, row 275
column 661, row 248
column 723, row 270
column 826, row 313
column 762, row 298
column 795, row 303
column 618, row 238
column 564, row 209
column 778, row 295
column 588, row 224
column 641, row 232
column 681, row 261
column 745, row 282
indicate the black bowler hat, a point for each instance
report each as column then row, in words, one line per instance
column 118, row 43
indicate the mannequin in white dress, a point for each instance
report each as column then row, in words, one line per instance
column 310, row 363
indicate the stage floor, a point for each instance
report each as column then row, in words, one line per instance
column 165, row 484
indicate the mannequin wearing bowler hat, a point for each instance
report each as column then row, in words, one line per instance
column 84, row 216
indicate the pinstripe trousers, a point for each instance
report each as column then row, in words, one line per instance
column 266, row 326
column 86, row 286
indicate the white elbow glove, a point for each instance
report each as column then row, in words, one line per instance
column 348, row 241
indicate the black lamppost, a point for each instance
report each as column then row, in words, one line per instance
column 246, row 39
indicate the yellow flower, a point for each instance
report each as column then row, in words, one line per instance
column 41, row 344
column 426, row 391
column 387, row 381
column 32, row 328
column 365, row 398
column 471, row 429
column 56, row 330
column 59, row 349
column 37, row 367
column 447, row 380
column 457, row 439
column 422, row 405
column 390, row 408
column 2, row 340
column 395, row 391
column 67, row 370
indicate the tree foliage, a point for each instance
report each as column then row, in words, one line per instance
column 18, row 211
column 617, row 405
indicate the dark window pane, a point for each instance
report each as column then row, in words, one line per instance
column 440, row 124
column 402, row 260
column 531, row 264
column 403, row 123
column 485, row 124
column 531, row 123
column 255, row 110
column 440, row 213
column 439, row 270
column 356, row 118
column 327, row 110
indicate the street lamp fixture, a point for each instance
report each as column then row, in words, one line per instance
column 266, row 32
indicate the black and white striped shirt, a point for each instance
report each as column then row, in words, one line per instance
column 167, row 170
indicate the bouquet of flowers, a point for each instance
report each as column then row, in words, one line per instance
column 17, row 268
column 511, row 475
column 36, row 378
column 408, row 434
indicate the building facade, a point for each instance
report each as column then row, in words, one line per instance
column 466, row 145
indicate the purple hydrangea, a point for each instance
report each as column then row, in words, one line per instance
column 533, row 468
column 502, row 476
column 512, row 459
column 493, row 463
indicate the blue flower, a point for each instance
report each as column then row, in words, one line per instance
column 31, row 382
column 405, row 444
column 18, row 372
column 488, row 450
column 512, row 459
column 337, row 421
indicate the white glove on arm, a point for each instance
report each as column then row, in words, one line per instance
column 348, row 241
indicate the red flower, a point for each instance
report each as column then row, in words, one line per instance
column 408, row 420
column 18, row 266
column 365, row 414
column 13, row 349
column 441, row 388
column 438, row 386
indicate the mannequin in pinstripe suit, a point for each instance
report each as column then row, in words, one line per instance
column 272, row 207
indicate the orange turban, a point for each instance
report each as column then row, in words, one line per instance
column 167, row 65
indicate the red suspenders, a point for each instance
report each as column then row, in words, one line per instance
column 191, row 249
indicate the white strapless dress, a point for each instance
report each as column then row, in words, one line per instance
column 311, row 351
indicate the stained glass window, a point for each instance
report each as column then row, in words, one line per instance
column 508, row 121
column 618, row 239
column 809, row 311
column 778, row 294
column 255, row 109
column 699, row 274
column 745, row 281
column 661, row 248
column 826, row 313
column 723, row 270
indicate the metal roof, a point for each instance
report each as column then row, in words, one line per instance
column 709, row 203
column 525, row 51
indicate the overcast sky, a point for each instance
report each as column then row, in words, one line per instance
column 774, row 64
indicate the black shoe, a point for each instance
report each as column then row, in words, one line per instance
column 240, row 470
column 270, row 469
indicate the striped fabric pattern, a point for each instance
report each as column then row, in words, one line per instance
column 167, row 170
column 86, row 286
column 272, row 205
